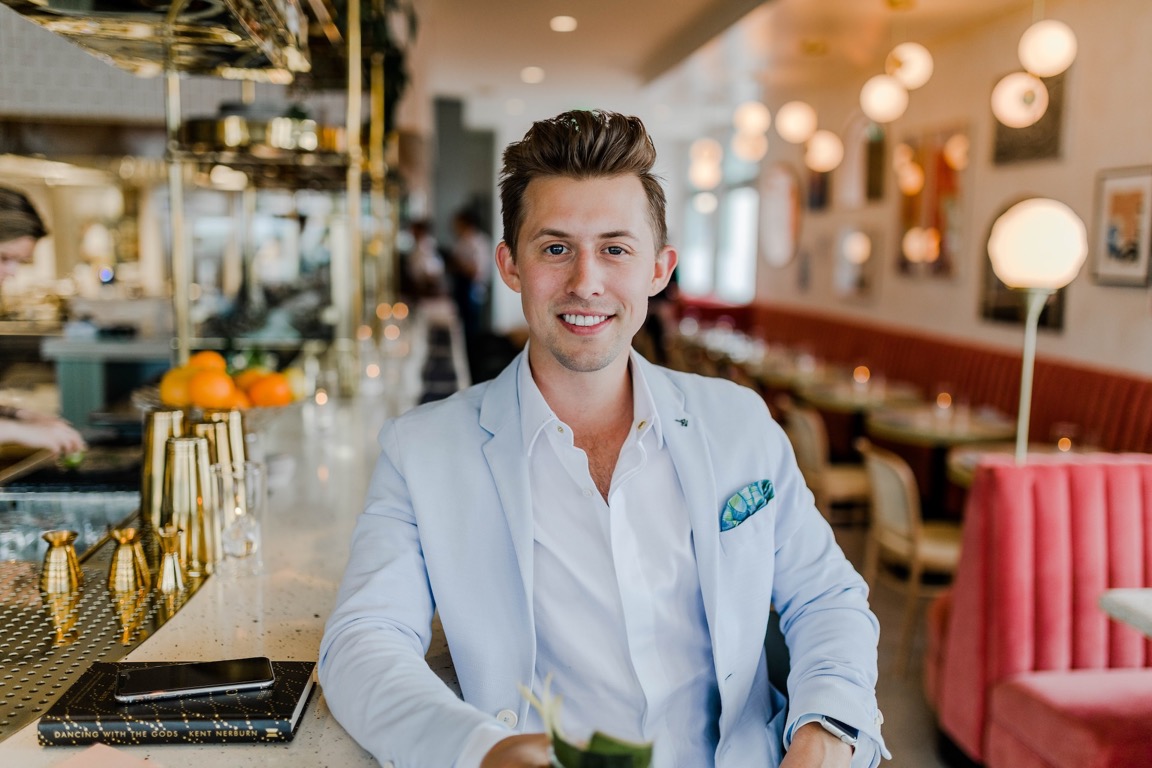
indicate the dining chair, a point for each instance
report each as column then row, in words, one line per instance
column 832, row 484
column 901, row 546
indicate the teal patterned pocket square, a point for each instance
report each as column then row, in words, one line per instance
column 745, row 503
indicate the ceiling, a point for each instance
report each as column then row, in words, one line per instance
column 679, row 56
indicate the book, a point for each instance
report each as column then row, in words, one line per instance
column 88, row 712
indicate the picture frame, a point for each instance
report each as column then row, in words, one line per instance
column 1122, row 232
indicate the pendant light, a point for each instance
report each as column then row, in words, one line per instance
column 752, row 117
column 911, row 64
column 1047, row 48
column 825, row 151
column 1019, row 100
column 883, row 98
column 796, row 122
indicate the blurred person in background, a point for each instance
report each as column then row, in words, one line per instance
column 423, row 265
column 20, row 229
column 470, row 264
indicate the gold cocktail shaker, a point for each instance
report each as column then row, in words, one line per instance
column 158, row 427
column 188, row 503
column 235, row 421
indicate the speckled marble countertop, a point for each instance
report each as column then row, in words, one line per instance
column 280, row 613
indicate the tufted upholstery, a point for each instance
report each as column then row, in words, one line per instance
column 1021, row 647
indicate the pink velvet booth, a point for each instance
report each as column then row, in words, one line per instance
column 1023, row 668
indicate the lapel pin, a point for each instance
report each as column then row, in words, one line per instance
column 683, row 422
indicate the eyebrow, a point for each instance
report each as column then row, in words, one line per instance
column 615, row 233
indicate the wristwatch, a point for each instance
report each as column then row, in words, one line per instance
column 840, row 730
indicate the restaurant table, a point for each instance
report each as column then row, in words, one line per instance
column 937, row 430
column 1133, row 606
column 843, row 403
column 847, row 396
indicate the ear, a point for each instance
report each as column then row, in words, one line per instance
column 666, row 261
column 509, row 272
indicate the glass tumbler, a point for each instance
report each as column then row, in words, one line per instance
column 241, row 497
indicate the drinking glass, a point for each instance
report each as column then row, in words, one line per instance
column 242, row 496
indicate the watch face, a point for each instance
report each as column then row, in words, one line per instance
column 840, row 729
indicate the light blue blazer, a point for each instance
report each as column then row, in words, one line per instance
column 448, row 527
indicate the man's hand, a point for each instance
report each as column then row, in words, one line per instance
column 814, row 747
column 529, row 750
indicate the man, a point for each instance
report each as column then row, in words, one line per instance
column 20, row 228
column 593, row 519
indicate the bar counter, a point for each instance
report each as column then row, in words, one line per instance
column 280, row 613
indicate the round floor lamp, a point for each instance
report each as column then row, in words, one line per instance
column 1036, row 246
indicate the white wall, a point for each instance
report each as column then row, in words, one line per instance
column 1107, row 124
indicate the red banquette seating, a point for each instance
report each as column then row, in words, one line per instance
column 1023, row 668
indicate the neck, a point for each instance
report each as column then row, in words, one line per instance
column 587, row 402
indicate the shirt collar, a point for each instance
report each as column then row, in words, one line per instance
column 535, row 414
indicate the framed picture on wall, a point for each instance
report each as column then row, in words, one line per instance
column 1122, row 233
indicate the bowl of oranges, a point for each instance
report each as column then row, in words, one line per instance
column 204, row 383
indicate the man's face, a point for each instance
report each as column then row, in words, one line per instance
column 587, row 262
column 14, row 253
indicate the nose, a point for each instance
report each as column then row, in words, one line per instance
column 586, row 278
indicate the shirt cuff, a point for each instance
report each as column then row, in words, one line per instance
column 482, row 739
column 866, row 752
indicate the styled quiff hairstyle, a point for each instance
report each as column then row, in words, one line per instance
column 18, row 218
column 580, row 144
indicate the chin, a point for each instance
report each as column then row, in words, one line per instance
column 586, row 361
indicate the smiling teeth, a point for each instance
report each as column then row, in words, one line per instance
column 584, row 319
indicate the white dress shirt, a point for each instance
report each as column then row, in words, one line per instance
column 620, row 622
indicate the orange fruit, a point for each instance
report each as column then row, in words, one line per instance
column 208, row 359
column 249, row 376
column 271, row 390
column 240, row 400
column 210, row 388
column 174, row 387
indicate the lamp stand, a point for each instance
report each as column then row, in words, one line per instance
column 1035, row 300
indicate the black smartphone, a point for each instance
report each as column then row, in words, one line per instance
column 193, row 679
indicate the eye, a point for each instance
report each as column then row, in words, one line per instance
column 615, row 250
column 555, row 250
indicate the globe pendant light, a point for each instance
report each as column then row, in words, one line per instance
column 911, row 64
column 796, row 122
column 883, row 98
column 751, row 117
column 1019, row 100
column 1047, row 48
column 825, row 151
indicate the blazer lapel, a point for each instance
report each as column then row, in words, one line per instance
column 500, row 415
column 684, row 436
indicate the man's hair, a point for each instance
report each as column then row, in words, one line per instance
column 18, row 218
column 581, row 145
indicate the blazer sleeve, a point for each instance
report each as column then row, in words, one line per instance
column 831, row 633
column 371, row 664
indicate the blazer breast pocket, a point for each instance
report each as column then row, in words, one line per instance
column 747, row 520
column 746, row 503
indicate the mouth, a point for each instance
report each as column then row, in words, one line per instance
column 584, row 321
